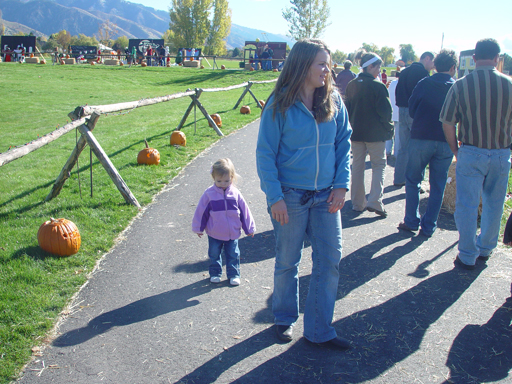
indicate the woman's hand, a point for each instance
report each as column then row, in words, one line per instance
column 336, row 199
column 280, row 212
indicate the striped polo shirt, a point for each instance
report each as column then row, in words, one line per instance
column 481, row 103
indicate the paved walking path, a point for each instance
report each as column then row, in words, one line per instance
column 150, row 315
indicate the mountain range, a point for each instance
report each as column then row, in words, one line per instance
column 135, row 21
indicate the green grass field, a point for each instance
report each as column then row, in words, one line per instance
column 35, row 286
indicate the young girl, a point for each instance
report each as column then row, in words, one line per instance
column 222, row 212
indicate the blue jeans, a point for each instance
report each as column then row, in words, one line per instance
column 232, row 257
column 438, row 156
column 404, row 135
column 324, row 232
column 480, row 173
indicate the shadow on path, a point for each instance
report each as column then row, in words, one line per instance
column 483, row 353
column 140, row 310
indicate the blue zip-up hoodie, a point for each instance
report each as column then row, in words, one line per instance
column 295, row 151
column 222, row 214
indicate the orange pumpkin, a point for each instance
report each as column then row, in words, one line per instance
column 274, row 70
column 245, row 110
column 262, row 103
column 31, row 55
column 121, row 63
column 216, row 118
column 335, row 65
column 59, row 237
column 222, row 66
column 178, row 138
column 62, row 62
column 43, row 61
column 202, row 67
column 251, row 69
column 149, row 156
column 93, row 63
column 143, row 64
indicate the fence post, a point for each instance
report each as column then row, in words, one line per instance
column 195, row 101
column 109, row 167
column 66, row 170
column 247, row 89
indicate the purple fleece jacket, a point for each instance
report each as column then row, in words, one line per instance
column 223, row 214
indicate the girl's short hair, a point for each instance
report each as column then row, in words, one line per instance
column 293, row 76
column 224, row 167
column 370, row 56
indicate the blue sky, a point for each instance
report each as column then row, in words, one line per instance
column 421, row 24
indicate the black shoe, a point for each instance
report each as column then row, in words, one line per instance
column 423, row 233
column 485, row 258
column 405, row 227
column 399, row 185
column 458, row 262
column 337, row 343
column 284, row 332
column 377, row 211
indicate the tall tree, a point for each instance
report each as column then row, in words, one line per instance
column 307, row 18
column 63, row 38
column 219, row 29
column 387, row 54
column 407, row 53
column 190, row 25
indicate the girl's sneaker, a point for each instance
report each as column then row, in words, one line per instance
column 234, row 281
column 215, row 279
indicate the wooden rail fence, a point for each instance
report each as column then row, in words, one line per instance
column 84, row 118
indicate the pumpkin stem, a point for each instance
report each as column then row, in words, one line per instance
column 146, row 142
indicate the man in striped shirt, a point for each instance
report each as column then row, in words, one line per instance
column 480, row 103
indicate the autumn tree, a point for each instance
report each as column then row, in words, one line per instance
column 169, row 40
column 62, row 38
column 106, row 32
column 196, row 23
column 219, row 28
column 307, row 18
column 407, row 53
column 189, row 22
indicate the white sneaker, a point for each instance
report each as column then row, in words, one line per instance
column 234, row 281
column 215, row 279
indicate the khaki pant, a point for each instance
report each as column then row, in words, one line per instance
column 377, row 152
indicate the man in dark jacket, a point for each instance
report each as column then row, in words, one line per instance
column 344, row 77
column 409, row 77
column 428, row 145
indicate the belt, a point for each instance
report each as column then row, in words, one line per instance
column 309, row 194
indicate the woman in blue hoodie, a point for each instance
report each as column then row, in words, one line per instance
column 303, row 164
